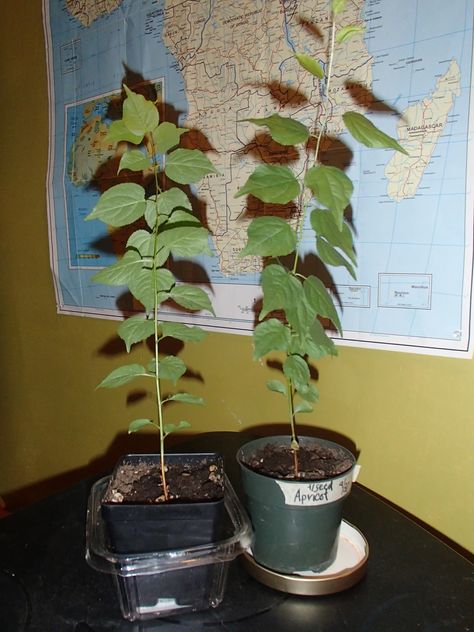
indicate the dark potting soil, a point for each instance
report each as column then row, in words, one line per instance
column 315, row 461
column 187, row 482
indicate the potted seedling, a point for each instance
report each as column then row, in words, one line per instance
column 295, row 486
column 157, row 504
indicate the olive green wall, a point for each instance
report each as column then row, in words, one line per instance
column 409, row 415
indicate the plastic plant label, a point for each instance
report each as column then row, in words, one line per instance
column 316, row 492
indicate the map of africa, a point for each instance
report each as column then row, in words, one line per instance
column 214, row 65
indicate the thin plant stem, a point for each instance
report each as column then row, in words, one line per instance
column 159, row 400
column 302, row 221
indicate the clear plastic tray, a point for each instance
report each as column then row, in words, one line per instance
column 162, row 583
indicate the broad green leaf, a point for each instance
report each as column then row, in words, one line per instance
column 122, row 375
column 300, row 315
column 142, row 242
column 296, row 369
column 283, row 130
column 276, row 386
column 324, row 225
column 303, row 407
column 138, row 424
column 188, row 166
column 331, row 256
column 191, row 297
column 164, row 280
column 167, row 136
column 320, row 299
column 169, row 428
column 178, row 216
column 275, row 184
column 368, row 134
column 161, row 297
column 141, row 286
column 135, row 329
column 171, row 368
column 332, row 189
column 162, row 256
column 172, row 199
column 186, row 241
column 121, row 272
column 271, row 335
column 346, row 32
column 186, row 398
column 117, row 132
column 319, row 344
column 269, row 237
column 182, row 332
column 338, row 6
column 310, row 64
column 120, row 205
column 139, row 115
column 309, row 392
column 151, row 213
column 135, row 160
column 280, row 289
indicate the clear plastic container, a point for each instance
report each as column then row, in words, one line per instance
column 162, row 583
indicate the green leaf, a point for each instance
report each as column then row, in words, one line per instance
column 135, row 329
column 332, row 188
column 300, row 315
column 191, row 297
column 271, row 335
column 171, row 368
column 303, row 407
column 186, row 398
column 117, row 132
column 164, row 280
column 309, row 392
column 182, row 332
column 310, row 64
column 347, row 32
column 184, row 218
column 186, row 241
column 324, row 225
column 276, row 386
column 141, row 286
column 188, row 166
column 319, row 344
column 142, row 242
column 296, row 369
column 283, row 130
column 167, row 136
column 338, row 6
column 122, row 375
column 320, row 300
column 121, row 272
column 368, row 134
column 280, row 289
column 331, row 256
column 269, row 237
column 173, row 199
column 169, row 428
column 135, row 160
column 139, row 115
column 138, row 424
column 120, row 205
column 271, row 183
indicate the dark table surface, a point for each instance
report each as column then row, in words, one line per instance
column 414, row 582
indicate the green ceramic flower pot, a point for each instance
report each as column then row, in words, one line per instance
column 296, row 523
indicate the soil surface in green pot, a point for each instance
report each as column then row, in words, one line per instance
column 310, row 462
column 141, row 482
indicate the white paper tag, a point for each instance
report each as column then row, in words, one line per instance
column 316, row 492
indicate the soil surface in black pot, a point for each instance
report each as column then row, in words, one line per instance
column 187, row 482
column 315, row 461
